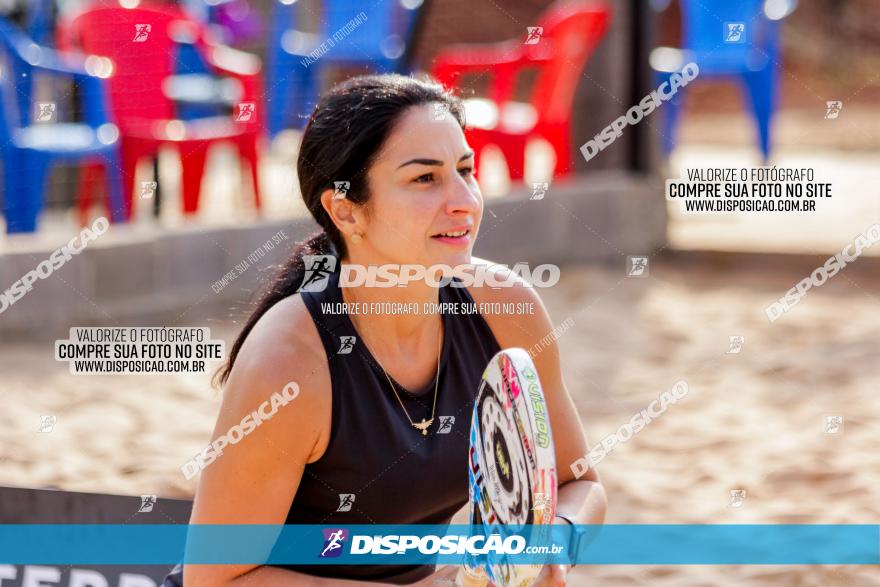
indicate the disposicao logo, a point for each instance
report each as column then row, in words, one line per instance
column 333, row 540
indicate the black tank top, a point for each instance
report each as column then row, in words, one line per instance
column 396, row 475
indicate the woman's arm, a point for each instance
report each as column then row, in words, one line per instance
column 582, row 499
column 255, row 480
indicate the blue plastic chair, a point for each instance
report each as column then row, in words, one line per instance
column 39, row 21
column 29, row 148
column 712, row 37
column 235, row 20
column 375, row 41
column 196, row 91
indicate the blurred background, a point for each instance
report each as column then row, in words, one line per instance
column 184, row 133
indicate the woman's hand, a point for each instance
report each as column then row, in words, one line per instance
column 552, row 576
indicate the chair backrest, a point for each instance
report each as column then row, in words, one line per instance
column 8, row 108
column 17, row 75
column 712, row 27
column 572, row 29
column 383, row 31
column 387, row 24
column 139, row 43
column 39, row 21
column 237, row 19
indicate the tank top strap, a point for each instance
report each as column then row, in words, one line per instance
column 332, row 326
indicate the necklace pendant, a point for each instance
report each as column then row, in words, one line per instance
column 423, row 426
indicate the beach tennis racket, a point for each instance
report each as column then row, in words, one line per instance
column 512, row 465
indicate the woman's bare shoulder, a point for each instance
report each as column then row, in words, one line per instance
column 514, row 288
column 284, row 333
column 284, row 347
column 528, row 319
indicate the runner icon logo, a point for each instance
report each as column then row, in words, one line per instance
column 832, row 109
column 46, row 111
column 736, row 344
column 47, row 423
column 318, row 267
column 440, row 111
column 737, row 497
column 446, row 423
column 245, row 112
column 735, row 32
column 148, row 189
column 346, row 344
column 637, row 266
column 147, row 503
column 833, row 424
column 542, row 502
column 346, row 500
column 141, row 32
column 340, row 189
column 538, row 190
column 534, row 35
column 333, row 540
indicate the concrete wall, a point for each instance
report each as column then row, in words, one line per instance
column 165, row 278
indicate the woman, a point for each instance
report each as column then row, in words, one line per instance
column 350, row 448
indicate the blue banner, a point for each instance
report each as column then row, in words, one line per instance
column 158, row 544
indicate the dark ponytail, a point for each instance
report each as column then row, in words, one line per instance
column 344, row 135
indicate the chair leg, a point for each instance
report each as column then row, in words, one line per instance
column 23, row 200
column 248, row 153
column 515, row 155
column 24, row 84
column 131, row 153
column 193, row 158
column 114, row 187
column 561, row 143
column 563, row 158
column 17, row 216
column 671, row 113
column 761, row 89
column 84, row 191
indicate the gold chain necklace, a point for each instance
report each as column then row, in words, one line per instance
column 424, row 424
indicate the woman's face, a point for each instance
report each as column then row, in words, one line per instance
column 422, row 186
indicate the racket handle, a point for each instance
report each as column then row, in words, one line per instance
column 471, row 577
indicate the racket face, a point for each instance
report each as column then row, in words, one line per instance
column 512, row 461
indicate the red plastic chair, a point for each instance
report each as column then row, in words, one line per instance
column 571, row 30
column 143, row 59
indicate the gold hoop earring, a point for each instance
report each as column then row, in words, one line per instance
column 356, row 238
